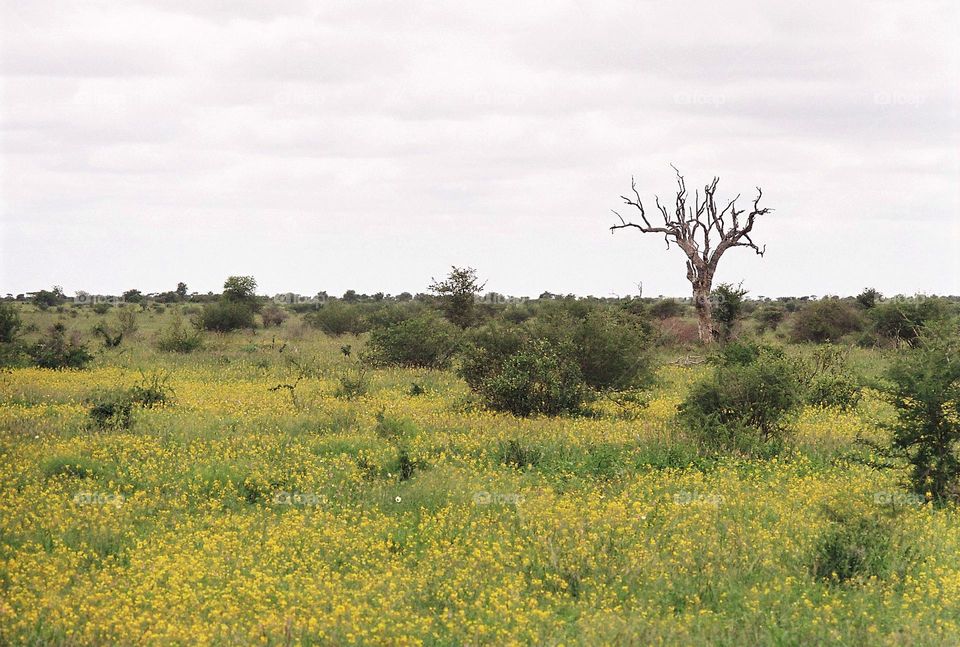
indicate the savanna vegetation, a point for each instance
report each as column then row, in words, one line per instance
column 460, row 468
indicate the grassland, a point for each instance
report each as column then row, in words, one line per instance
column 236, row 515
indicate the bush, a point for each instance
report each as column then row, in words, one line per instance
column 824, row 321
column 611, row 348
column 835, row 390
column 336, row 319
column 128, row 321
column 741, row 406
column 486, row 349
column 538, row 379
column 56, row 351
column 9, row 323
column 110, row 409
column 728, row 308
column 904, row 320
column 925, row 390
column 273, row 316
column 226, row 315
column 853, row 548
column 738, row 353
column 178, row 338
column 827, row 381
column 113, row 408
column 426, row 341
column 110, row 338
column 458, row 294
column 101, row 308
column 769, row 317
column 667, row 308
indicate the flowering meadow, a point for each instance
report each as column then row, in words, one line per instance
column 240, row 513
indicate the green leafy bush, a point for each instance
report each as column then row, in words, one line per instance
column 113, row 408
column 9, row 323
column 728, row 308
column 827, row 380
column 853, row 548
column 538, row 379
column 56, row 351
column 178, row 337
column 612, row 349
column 226, row 315
column 904, row 320
column 336, row 318
column 742, row 406
column 825, row 320
column 273, row 316
column 426, row 341
column 925, row 389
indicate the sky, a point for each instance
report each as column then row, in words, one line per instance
column 371, row 145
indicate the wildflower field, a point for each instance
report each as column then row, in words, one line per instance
column 242, row 513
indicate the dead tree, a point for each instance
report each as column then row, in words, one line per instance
column 694, row 229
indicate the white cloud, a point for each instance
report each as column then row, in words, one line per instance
column 354, row 145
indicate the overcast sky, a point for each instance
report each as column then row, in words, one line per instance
column 371, row 145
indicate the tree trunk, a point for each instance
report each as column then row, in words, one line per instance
column 701, row 301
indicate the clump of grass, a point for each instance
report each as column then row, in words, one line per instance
column 72, row 466
column 520, row 454
column 178, row 338
column 855, row 547
column 113, row 408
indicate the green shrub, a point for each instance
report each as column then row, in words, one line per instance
column 853, row 548
column 486, row 349
column 667, row 308
column 101, row 308
column 738, row 353
column 612, row 349
column 904, row 320
column 56, row 351
column 226, row 315
column 728, row 308
column 826, row 379
column 837, row 390
column 110, row 409
column 457, row 294
column 111, row 339
column 336, row 318
column 769, row 317
column 179, row 338
column 127, row 319
column 426, row 341
column 540, row 378
column 824, row 321
column 925, row 389
column 742, row 406
column 520, row 454
column 153, row 390
column 273, row 316
column 9, row 323
column 113, row 408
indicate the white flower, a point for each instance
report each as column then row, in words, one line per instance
column 397, row 499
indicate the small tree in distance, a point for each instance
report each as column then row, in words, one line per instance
column 458, row 293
